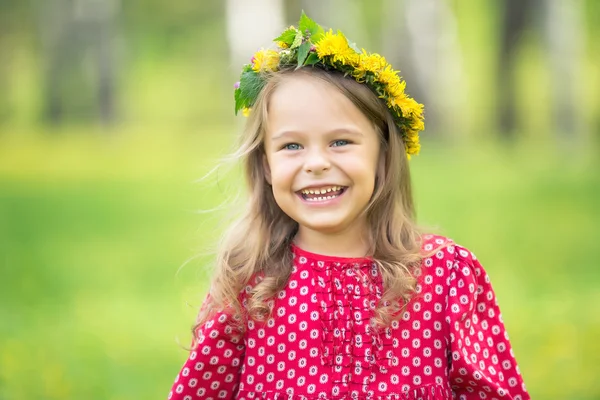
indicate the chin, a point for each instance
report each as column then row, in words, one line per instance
column 324, row 226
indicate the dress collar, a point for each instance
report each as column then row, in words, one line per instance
column 298, row 252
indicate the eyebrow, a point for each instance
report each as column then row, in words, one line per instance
column 349, row 131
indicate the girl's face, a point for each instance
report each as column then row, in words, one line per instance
column 322, row 154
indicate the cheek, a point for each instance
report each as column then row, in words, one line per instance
column 366, row 175
column 282, row 174
column 363, row 166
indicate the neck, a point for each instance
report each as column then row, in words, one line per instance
column 350, row 243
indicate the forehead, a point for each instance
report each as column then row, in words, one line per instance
column 305, row 103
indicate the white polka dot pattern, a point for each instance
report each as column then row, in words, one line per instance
column 319, row 344
column 212, row 369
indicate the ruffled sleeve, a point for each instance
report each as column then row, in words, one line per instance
column 482, row 363
column 213, row 367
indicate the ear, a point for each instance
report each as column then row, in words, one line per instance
column 266, row 168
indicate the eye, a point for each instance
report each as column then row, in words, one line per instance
column 340, row 142
column 291, row 146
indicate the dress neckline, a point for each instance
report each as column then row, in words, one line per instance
column 327, row 258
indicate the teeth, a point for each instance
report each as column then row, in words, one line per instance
column 322, row 191
column 322, row 198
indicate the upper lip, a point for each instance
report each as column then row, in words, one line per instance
column 320, row 186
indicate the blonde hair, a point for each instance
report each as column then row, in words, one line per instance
column 258, row 243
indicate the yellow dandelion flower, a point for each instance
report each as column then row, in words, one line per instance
column 246, row 111
column 413, row 150
column 336, row 46
column 369, row 63
column 394, row 85
column 392, row 102
column 409, row 107
column 265, row 60
column 347, row 58
column 282, row 45
column 388, row 76
column 418, row 124
column 396, row 90
column 411, row 136
column 411, row 142
column 352, row 59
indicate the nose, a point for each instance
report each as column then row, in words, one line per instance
column 316, row 161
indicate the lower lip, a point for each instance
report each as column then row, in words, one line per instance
column 322, row 203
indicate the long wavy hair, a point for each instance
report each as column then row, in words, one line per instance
column 257, row 244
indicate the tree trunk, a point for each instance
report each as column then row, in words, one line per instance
column 420, row 38
column 55, row 33
column 250, row 26
column 74, row 32
column 517, row 16
column 564, row 33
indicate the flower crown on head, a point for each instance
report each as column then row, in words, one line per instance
column 311, row 45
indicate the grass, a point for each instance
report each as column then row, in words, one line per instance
column 94, row 229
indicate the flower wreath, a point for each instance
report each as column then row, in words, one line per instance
column 311, row 45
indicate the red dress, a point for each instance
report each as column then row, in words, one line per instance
column 451, row 342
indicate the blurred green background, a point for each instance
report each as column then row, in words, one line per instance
column 110, row 111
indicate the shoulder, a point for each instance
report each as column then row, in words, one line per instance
column 448, row 262
column 440, row 248
column 455, row 273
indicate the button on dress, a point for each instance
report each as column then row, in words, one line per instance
column 319, row 342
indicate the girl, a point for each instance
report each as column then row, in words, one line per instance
column 325, row 288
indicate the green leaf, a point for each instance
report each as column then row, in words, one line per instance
column 287, row 36
column 238, row 101
column 306, row 24
column 297, row 40
column 302, row 53
column 315, row 37
column 251, row 84
column 312, row 59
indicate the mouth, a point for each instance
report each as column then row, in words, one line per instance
column 322, row 194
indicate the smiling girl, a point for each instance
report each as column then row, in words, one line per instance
column 325, row 288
